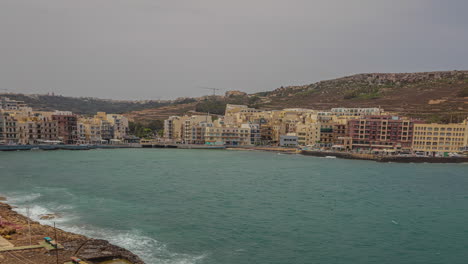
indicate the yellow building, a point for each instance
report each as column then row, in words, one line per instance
column 230, row 136
column 308, row 134
column 439, row 138
column 194, row 129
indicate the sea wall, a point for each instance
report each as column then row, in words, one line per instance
column 397, row 159
column 272, row 149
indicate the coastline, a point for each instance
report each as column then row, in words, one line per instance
column 94, row 251
column 267, row 149
column 396, row 159
column 280, row 150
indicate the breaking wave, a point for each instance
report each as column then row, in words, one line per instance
column 15, row 198
column 147, row 248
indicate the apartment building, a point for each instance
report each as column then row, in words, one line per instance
column 119, row 125
column 193, row 129
column 344, row 111
column 10, row 105
column 436, row 139
column 173, row 128
column 30, row 131
column 308, row 134
column 67, row 127
column 289, row 140
column 9, row 130
column 255, row 136
column 229, row 136
column 382, row 132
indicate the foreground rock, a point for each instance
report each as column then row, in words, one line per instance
column 91, row 250
column 49, row 216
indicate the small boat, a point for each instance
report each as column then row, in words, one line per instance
column 330, row 157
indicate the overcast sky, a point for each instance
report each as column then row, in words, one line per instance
column 145, row 49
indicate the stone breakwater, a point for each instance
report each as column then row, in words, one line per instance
column 397, row 159
column 92, row 250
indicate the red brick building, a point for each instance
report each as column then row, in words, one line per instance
column 381, row 132
column 67, row 128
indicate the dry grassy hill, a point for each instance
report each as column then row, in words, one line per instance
column 425, row 94
column 434, row 96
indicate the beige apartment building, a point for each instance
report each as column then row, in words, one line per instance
column 173, row 128
column 308, row 134
column 194, row 129
column 439, row 138
column 230, row 136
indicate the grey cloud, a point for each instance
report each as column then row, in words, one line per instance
column 139, row 49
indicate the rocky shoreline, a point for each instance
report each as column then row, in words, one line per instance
column 14, row 227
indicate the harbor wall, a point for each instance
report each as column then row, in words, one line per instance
column 396, row 159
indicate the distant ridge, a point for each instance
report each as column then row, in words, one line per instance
column 83, row 105
column 423, row 93
column 430, row 95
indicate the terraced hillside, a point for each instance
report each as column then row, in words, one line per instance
column 434, row 96
column 421, row 94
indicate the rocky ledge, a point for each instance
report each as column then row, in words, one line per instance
column 14, row 229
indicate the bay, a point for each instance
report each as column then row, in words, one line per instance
column 221, row 206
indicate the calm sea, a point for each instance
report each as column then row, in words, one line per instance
column 219, row 206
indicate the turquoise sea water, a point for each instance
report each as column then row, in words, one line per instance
column 218, row 206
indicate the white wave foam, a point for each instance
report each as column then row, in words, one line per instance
column 16, row 198
column 36, row 211
column 149, row 249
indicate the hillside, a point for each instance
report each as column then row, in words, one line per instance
column 214, row 105
column 430, row 92
column 434, row 96
column 84, row 105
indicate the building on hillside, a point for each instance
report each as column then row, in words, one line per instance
column 9, row 105
column 378, row 133
column 437, row 139
column 343, row 111
column 241, row 114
